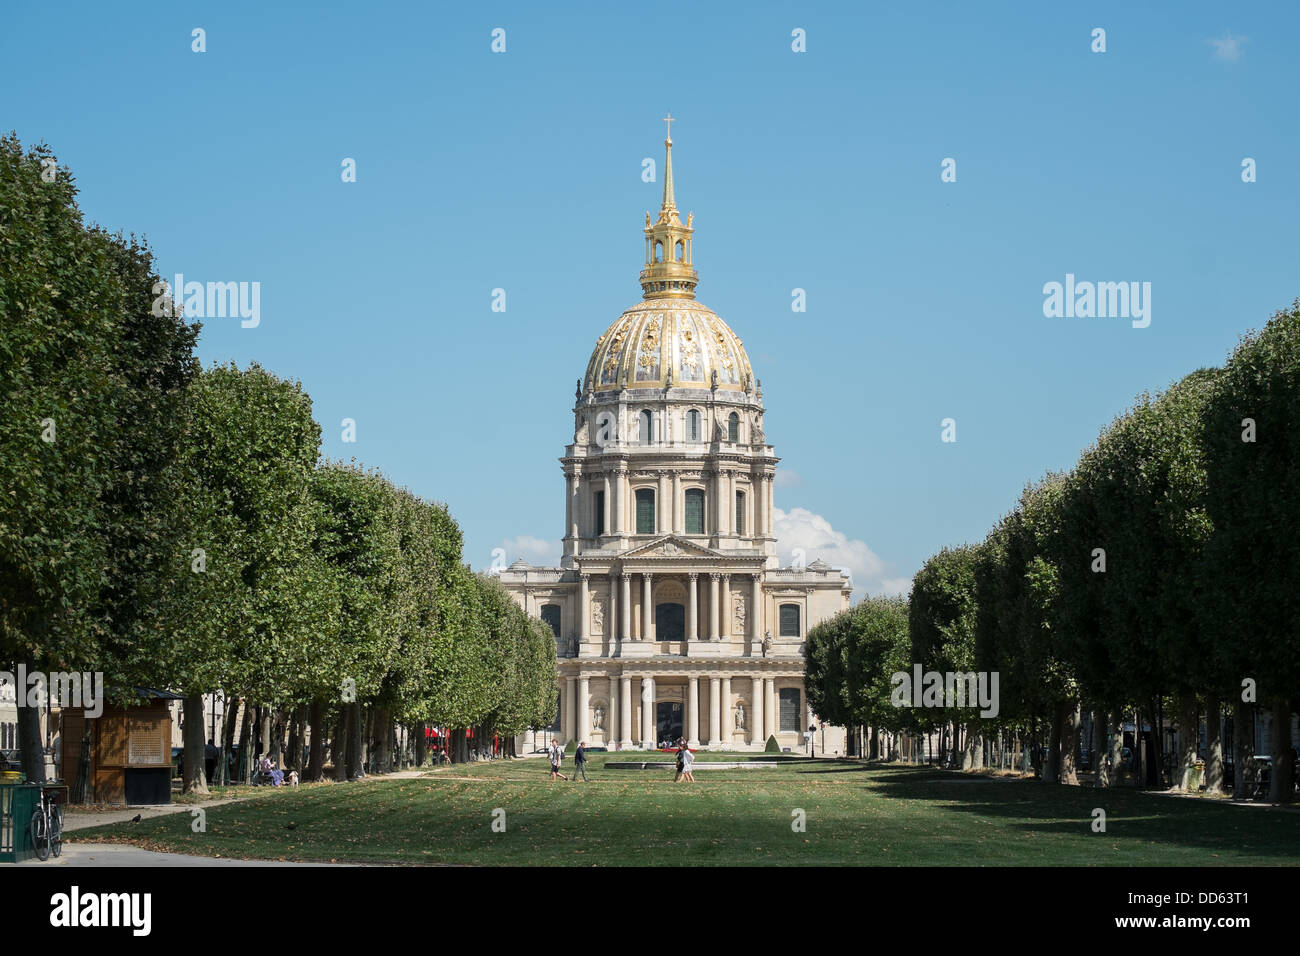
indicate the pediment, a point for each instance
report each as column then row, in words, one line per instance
column 671, row 546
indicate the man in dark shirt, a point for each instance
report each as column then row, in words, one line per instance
column 580, row 762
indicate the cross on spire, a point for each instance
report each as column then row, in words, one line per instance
column 669, row 120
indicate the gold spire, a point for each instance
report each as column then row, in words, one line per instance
column 668, row 272
column 668, row 208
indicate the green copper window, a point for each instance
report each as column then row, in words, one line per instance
column 694, row 511
column 600, row 513
column 740, row 512
column 645, row 511
column 791, row 718
column 790, row 620
column 733, row 428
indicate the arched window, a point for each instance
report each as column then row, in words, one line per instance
column 645, row 511
column 659, row 252
column 692, row 425
column 647, row 427
column 678, row 250
column 790, row 620
column 733, row 428
column 694, row 511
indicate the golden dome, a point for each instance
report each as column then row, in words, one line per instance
column 668, row 342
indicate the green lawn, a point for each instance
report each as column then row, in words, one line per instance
column 855, row 814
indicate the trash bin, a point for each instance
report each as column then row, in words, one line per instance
column 17, row 803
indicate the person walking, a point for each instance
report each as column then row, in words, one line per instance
column 580, row 762
column 688, row 761
column 557, row 755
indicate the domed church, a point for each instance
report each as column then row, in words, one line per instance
column 672, row 615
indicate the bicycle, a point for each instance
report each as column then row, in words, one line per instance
column 47, row 824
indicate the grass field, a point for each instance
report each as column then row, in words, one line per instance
column 855, row 814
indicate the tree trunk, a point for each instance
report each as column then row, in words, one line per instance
column 193, row 778
column 1213, row 746
column 356, row 740
column 316, row 757
column 383, row 728
column 1188, row 730
column 81, row 789
column 265, row 714
column 1100, row 775
column 340, row 742
column 245, row 768
column 1243, row 750
column 230, row 713
column 1069, row 767
column 30, row 745
column 1282, row 786
column 421, row 744
column 1056, row 733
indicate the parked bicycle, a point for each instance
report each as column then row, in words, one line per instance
column 47, row 823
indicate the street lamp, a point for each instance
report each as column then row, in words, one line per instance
column 812, row 729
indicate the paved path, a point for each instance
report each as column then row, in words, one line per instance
column 114, row 854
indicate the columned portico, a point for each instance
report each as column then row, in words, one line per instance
column 584, row 707
column 626, row 607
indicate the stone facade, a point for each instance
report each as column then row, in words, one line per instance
column 671, row 613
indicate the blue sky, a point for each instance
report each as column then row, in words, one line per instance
column 817, row 170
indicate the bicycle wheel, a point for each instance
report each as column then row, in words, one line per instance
column 40, row 839
column 56, row 830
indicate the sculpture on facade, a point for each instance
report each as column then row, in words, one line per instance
column 740, row 613
column 767, row 642
column 740, row 715
column 598, row 617
column 598, row 717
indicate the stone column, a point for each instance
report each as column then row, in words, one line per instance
column 584, row 707
column 570, row 693
column 611, row 615
column 755, row 614
column 725, row 632
column 611, row 713
column 770, row 502
column 724, row 503
column 571, row 512
column 769, row 708
column 664, row 511
column 625, row 606
column 608, row 506
column 756, row 712
column 714, row 576
column 679, row 506
column 727, row 713
column 693, row 622
column 647, row 609
column 616, row 516
column 693, row 712
column 648, row 728
column 715, row 525
column 584, row 608
column 625, row 714
column 715, row 712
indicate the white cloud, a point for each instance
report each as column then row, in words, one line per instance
column 812, row 534
column 1227, row 47
column 537, row 551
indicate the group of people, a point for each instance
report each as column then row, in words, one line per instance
column 685, row 760
column 556, row 754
